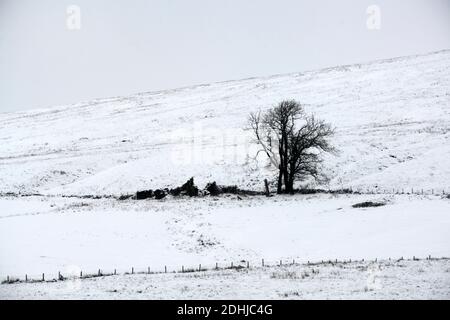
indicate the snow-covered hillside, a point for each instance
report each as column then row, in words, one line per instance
column 392, row 119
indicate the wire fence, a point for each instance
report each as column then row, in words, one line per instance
column 43, row 277
column 412, row 191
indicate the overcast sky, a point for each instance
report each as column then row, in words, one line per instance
column 125, row 47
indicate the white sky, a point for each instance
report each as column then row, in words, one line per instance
column 125, row 47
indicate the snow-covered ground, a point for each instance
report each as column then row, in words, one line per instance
column 41, row 234
column 357, row 280
column 392, row 122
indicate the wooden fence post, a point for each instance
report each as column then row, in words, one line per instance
column 165, row 269
column 266, row 186
column 262, row 262
column 43, row 277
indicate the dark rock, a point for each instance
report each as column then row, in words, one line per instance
column 144, row 194
column 159, row 194
column 189, row 188
column 213, row 188
column 175, row 192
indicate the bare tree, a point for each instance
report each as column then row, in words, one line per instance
column 295, row 152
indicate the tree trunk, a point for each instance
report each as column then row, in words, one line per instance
column 290, row 180
column 280, row 182
column 290, row 188
column 281, row 166
column 285, row 159
column 286, row 180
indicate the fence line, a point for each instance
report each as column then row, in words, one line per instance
column 375, row 190
column 244, row 264
column 343, row 190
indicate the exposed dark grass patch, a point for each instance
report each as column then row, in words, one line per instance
column 367, row 204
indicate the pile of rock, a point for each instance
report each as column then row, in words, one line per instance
column 190, row 189
column 187, row 189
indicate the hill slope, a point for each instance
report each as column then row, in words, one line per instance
column 392, row 119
